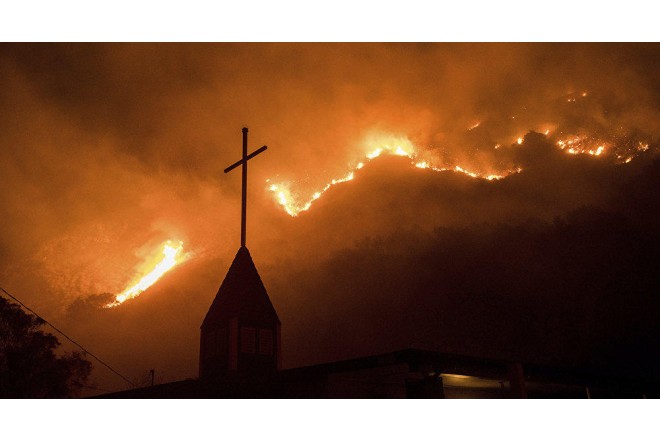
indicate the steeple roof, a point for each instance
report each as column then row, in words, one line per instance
column 242, row 294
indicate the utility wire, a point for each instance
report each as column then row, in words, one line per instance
column 68, row 338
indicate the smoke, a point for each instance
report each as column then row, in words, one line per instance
column 109, row 150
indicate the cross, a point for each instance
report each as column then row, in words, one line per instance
column 243, row 161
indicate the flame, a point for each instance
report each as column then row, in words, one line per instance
column 286, row 198
column 376, row 153
column 389, row 144
column 580, row 145
column 377, row 146
column 170, row 259
column 629, row 152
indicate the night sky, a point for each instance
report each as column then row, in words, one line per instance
column 107, row 151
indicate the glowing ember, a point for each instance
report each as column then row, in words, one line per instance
column 520, row 140
column 171, row 258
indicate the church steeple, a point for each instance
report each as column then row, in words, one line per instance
column 241, row 330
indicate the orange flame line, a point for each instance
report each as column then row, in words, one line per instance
column 167, row 263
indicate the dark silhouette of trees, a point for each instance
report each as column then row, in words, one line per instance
column 29, row 367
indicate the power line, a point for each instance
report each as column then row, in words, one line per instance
column 68, row 338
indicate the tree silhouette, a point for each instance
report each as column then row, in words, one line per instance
column 29, row 367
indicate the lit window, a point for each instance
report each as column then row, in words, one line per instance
column 248, row 337
column 265, row 342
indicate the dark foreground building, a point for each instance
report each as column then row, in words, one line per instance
column 409, row 373
column 240, row 357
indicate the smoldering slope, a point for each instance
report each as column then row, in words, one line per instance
column 108, row 150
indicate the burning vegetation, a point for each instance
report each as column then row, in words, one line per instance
column 621, row 147
column 155, row 269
